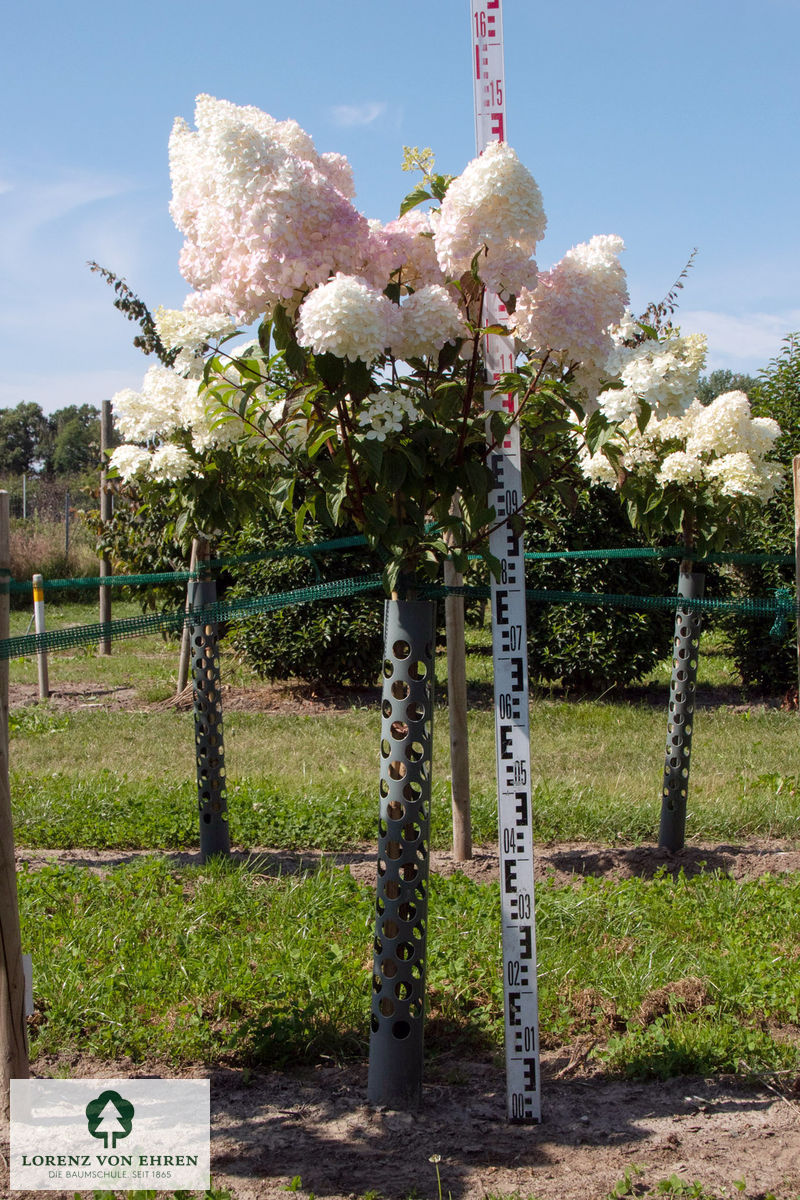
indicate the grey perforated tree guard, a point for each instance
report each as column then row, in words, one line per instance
column 398, row 980
column 209, row 744
column 681, row 713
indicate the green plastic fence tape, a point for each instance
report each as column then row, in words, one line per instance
column 81, row 635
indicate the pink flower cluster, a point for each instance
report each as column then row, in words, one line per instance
column 264, row 216
column 571, row 310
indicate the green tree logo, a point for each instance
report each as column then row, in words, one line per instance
column 109, row 1116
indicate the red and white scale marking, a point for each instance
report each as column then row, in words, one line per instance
column 509, row 645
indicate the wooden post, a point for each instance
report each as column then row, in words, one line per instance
column 796, row 477
column 183, row 665
column 457, row 712
column 104, row 646
column 13, row 1033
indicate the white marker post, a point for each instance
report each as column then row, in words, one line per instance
column 41, row 655
column 509, row 644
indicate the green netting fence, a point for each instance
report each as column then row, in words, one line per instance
column 780, row 608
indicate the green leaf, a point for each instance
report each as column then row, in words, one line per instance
column 418, row 196
column 371, row 450
column 440, row 184
column 330, row 370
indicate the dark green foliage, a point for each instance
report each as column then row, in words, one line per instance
column 586, row 646
column 332, row 642
column 765, row 658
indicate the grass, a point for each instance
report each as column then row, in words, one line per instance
column 95, row 778
column 226, row 964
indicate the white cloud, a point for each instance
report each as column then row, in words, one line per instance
column 744, row 342
column 358, row 114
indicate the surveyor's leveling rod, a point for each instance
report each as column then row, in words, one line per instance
column 509, row 643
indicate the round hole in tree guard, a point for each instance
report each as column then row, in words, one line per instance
column 384, row 788
column 380, row 906
column 415, row 712
column 399, row 729
column 415, row 1009
column 415, row 752
column 413, row 790
column 407, row 911
column 389, row 968
column 401, row 649
column 378, row 946
column 386, row 708
column 406, row 951
column 411, row 832
column 383, row 829
column 410, row 870
column 382, row 871
column 402, row 990
column 397, row 770
column 418, row 931
column 374, row 1023
column 387, row 1007
column 393, row 850
column 395, row 810
column 377, row 983
column 418, row 670
column 416, row 970
column 386, row 748
column 390, row 929
column 401, row 1029
column 392, row 889
column 388, row 668
column 400, row 689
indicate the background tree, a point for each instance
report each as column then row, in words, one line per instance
column 24, row 438
column 765, row 653
column 721, row 381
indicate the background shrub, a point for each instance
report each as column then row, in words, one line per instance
column 330, row 642
column 586, row 646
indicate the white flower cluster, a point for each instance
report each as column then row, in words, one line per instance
column 346, row 317
column 351, row 319
column 385, row 413
column 494, row 207
column 720, row 444
column 188, row 331
column 663, row 375
column 424, row 322
column 157, row 410
column 573, row 308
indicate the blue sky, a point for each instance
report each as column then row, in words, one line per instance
column 673, row 129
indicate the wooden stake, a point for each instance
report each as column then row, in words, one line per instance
column 457, row 712
column 13, row 1034
column 183, row 665
column 796, row 477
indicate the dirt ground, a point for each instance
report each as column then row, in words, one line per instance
column 270, row 1127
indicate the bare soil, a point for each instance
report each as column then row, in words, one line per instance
column 268, row 1129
